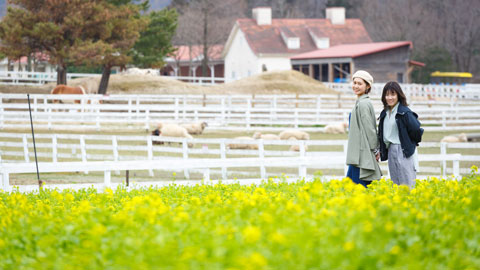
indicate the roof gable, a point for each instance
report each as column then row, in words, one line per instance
column 267, row 39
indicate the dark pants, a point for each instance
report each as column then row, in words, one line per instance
column 354, row 174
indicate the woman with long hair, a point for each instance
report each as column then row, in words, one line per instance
column 362, row 136
column 399, row 133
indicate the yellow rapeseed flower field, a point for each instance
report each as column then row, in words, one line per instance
column 275, row 225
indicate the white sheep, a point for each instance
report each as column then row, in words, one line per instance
column 452, row 138
column 336, row 128
column 195, row 128
column 259, row 135
column 297, row 134
column 296, row 147
column 174, row 130
column 242, row 145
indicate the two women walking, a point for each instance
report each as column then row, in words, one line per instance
column 398, row 134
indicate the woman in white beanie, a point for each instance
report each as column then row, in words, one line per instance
column 363, row 145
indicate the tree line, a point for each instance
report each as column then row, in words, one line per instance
column 102, row 33
column 108, row 33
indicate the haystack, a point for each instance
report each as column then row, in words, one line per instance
column 275, row 82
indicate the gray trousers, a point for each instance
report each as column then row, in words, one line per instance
column 402, row 169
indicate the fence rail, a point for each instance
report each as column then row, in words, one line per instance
column 36, row 78
column 205, row 164
column 226, row 112
column 428, row 91
column 61, row 148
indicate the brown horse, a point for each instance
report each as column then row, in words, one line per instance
column 62, row 89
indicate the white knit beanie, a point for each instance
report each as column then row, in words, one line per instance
column 362, row 74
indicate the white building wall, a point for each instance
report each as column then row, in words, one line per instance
column 240, row 61
column 274, row 63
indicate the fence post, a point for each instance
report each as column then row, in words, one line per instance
column 83, row 149
column 223, row 156
column 223, row 110
column 97, row 119
column 6, row 181
column 107, row 180
column 302, row 168
column 49, row 121
column 456, row 166
column 115, row 151
column 247, row 114
column 129, row 109
column 206, row 174
column 444, row 120
column 443, row 152
column 345, row 148
column 319, row 106
column 25, row 148
column 1, row 113
column 229, row 112
column 185, row 156
column 184, row 112
column 54, row 148
column 261, row 155
column 137, row 106
column 176, row 108
column 150, row 152
column 296, row 118
column 147, row 120
column 35, row 104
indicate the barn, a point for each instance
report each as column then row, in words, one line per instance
column 264, row 43
column 388, row 61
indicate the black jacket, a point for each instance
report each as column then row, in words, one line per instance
column 409, row 131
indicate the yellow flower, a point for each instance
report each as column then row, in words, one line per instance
column 257, row 260
column 389, row 226
column 348, row 246
column 98, row 230
column 251, row 234
column 395, row 250
column 278, row 238
column 367, row 227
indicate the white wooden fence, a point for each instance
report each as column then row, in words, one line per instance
column 64, row 148
column 222, row 112
column 429, row 91
column 205, row 164
column 198, row 80
column 424, row 90
column 36, row 78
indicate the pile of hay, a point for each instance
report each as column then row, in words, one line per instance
column 275, row 82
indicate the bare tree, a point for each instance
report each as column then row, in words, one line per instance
column 207, row 23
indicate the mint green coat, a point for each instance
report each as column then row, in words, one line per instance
column 362, row 140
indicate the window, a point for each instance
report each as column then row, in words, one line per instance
column 400, row 77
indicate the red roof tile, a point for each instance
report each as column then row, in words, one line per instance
column 267, row 38
column 183, row 52
column 352, row 50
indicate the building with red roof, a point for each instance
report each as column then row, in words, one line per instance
column 39, row 62
column 263, row 43
column 386, row 61
column 187, row 61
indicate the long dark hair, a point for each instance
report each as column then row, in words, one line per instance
column 393, row 87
